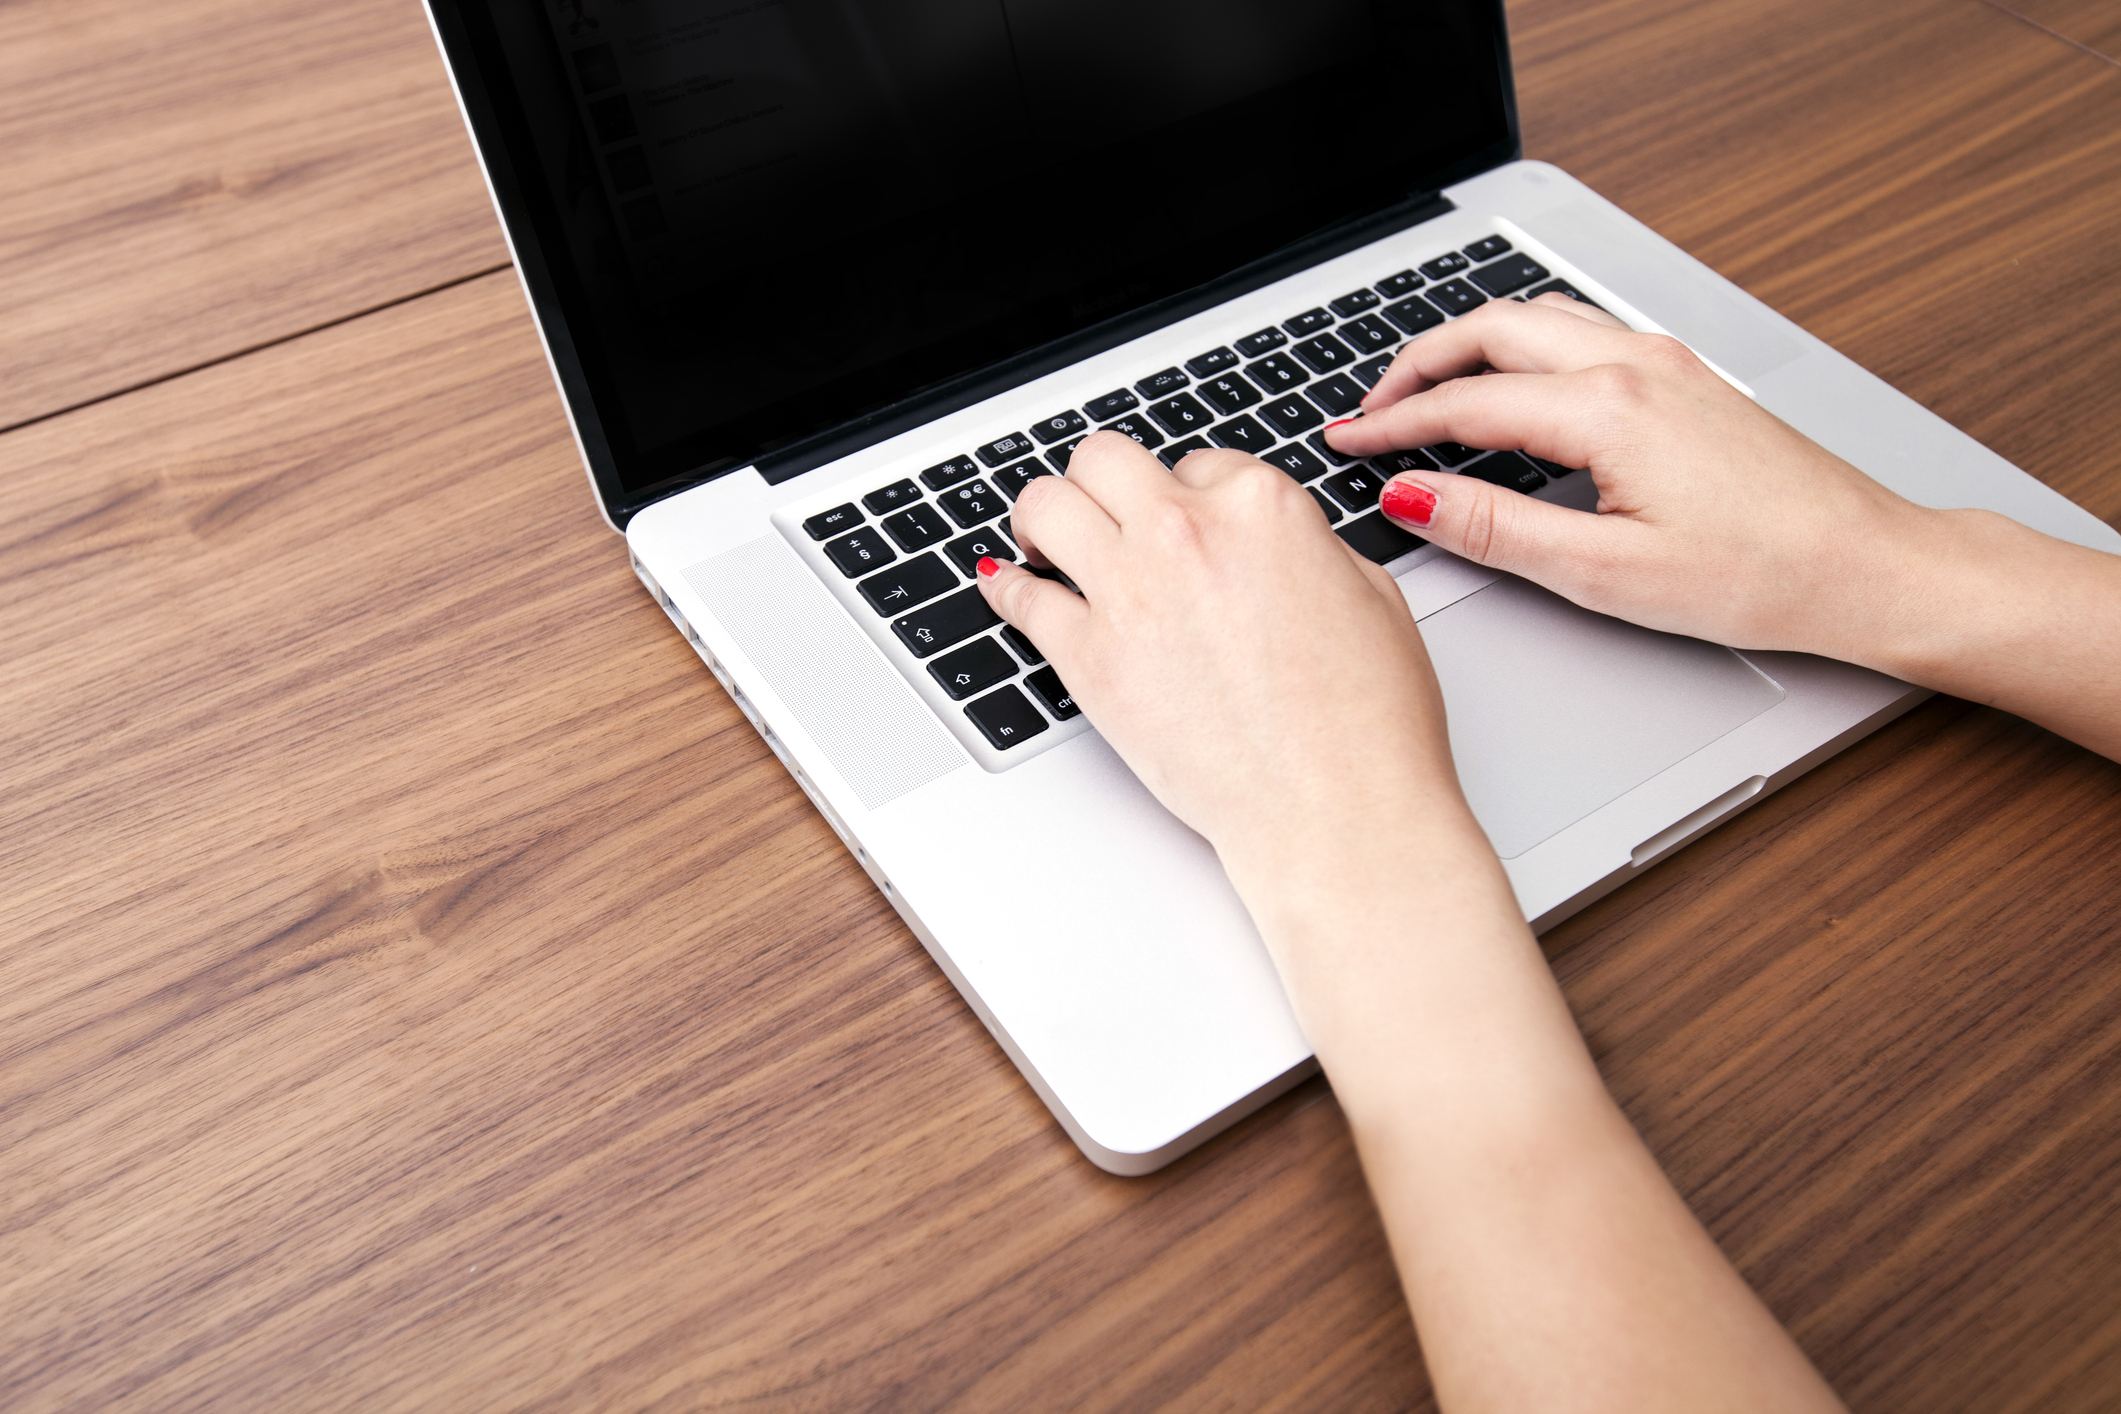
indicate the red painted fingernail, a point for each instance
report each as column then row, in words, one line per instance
column 1331, row 425
column 1409, row 501
column 989, row 567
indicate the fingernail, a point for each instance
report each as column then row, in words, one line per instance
column 1409, row 501
column 989, row 567
column 1331, row 425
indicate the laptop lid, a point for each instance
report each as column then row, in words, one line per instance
column 770, row 232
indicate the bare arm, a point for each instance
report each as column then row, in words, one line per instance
column 1719, row 521
column 1548, row 1262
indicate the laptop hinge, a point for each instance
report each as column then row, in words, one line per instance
column 932, row 403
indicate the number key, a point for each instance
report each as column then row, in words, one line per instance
column 972, row 503
column 1180, row 416
column 917, row 527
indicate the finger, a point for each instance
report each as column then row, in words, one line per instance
column 1044, row 612
column 1504, row 335
column 1562, row 417
column 1056, row 522
column 1118, row 473
column 1555, row 299
column 1563, row 549
column 1212, row 466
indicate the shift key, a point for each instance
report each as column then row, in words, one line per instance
column 953, row 620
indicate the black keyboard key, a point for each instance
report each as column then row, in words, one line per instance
column 1553, row 469
column 1325, row 503
column 1369, row 371
column 1228, row 393
column 1253, row 345
column 1399, row 286
column 1005, row 449
column 1353, row 303
column 949, row 473
column 1013, row 479
column 832, row 522
column 1376, row 538
column 1212, row 362
column 972, row 503
column 1161, row 385
column 1277, row 373
column 890, row 498
column 1456, row 297
column 1291, row 416
column 917, row 527
column 1338, row 395
column 1486, row 249
column 1454, row 453
column 1323, row 354
column 945, row 623
column 1139, row 429
column 1444, row 265
column 1317, row 443
column 1021, row 646
column 1507, row 469
column 1509, row 274
column 1180, row 416
column 1413, row 315
column 975, row 667
column 1357, row 488
column 985, row 543
column 1060, row 456
column 1111, row 404
column 1242, row 434
column 1060, row 425
column 1052, row 694
column 1368, row 335
column 1176, row 452
column 1296, row 461
column 1309, row 322
column 1006, row 718
column 1392, row 463
column 903, row 586
column 859, row 553
column 1562, row 287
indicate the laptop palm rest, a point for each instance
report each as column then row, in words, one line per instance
column 1556, row 711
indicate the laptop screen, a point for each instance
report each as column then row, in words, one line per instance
column 755, row 221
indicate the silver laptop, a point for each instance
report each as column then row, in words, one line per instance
column 826, row 283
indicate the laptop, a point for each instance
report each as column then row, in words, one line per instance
column 826, row 283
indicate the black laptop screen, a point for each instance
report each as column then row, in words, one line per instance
column 761, row 219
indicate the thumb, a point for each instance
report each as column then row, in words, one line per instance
column 1490, row 525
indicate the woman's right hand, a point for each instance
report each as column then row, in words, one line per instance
column 1715, row 519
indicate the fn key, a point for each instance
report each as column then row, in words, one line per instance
column 1005, row 718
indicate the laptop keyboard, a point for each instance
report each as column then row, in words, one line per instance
column 911, row 546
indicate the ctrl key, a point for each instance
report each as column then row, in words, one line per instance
column 1051, row 691
column 1006, row 718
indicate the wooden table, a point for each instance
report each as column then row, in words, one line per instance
column 420, row 989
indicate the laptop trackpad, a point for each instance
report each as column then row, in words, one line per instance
column 1556, row 711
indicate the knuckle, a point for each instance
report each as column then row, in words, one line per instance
column 1623, row 386
column 1485, row 532
column 1667, row 353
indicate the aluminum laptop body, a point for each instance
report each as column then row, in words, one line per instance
column 1094, row 935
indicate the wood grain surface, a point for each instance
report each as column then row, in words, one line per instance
column 2095, row 24
column 419, row 988
column 192, row 178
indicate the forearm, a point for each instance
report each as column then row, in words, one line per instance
column 1996, row 613
column 1547, row 1261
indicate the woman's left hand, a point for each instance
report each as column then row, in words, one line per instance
column 1264, row 680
